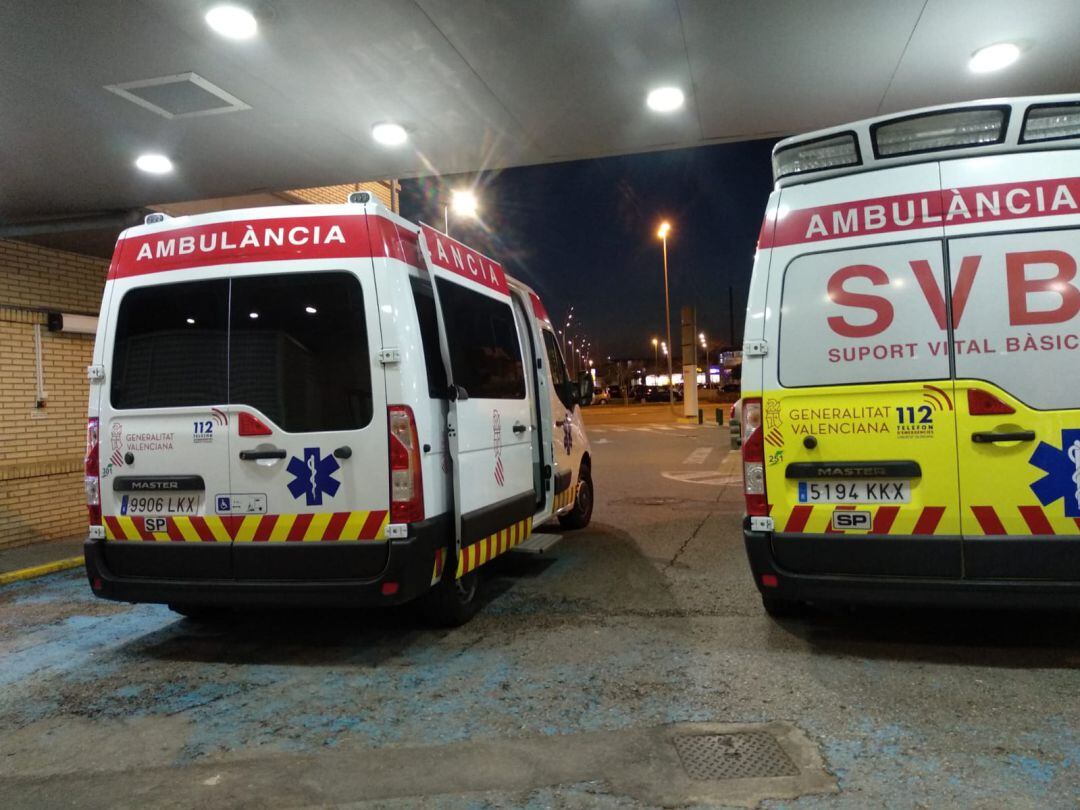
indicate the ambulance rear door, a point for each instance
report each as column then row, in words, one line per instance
column 310, row 486
column 1013, row 250
column 164, row 421
column 857, row 403
column 490, row 414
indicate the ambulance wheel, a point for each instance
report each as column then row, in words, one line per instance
column 453, row 601
column 782, row 608
column 581, row 514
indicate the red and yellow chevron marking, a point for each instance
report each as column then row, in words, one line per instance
column 440, row 557
column 1020, row 521
column 564, row 498
column 482, row 551
column 887, row 519
column 320, row 527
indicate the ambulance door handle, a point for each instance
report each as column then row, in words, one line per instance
column 987, row 437
column 518, row 427
column 259, row 455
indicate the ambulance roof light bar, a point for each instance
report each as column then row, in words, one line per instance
column 829, row 152
column 936, row 131
column 958, row 130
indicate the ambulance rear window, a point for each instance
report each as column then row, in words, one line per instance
column 298, row 350
column 293, row 346
column 170, row 346
column 485, row 356
column 429, row 336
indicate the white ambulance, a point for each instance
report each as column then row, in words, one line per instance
column 321, row 405
column 911, row 367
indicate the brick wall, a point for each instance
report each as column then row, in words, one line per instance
column 338, row 194
column 41, row 449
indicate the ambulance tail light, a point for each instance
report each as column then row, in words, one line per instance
column 983, row 403
column 91, row 471
column 406, row 480
column 753, row 454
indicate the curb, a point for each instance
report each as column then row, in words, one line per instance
column 40, row 570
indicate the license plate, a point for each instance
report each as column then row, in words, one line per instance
column 134, row 505
column 854, row 492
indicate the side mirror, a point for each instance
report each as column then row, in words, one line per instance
column 585, row 388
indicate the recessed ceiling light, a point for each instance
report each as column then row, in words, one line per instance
column 153, row 164
column 665, row 99
column 993, row 57
column 310, row 310
column 389, row 134
column 233, row 22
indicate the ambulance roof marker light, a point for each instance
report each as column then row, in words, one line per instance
column 156, row 218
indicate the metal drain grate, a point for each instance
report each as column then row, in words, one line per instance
column 743, row 755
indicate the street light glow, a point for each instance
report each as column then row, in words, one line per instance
column 665, row 227
column 464, row 202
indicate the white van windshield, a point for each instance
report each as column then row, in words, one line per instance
column 293, row 346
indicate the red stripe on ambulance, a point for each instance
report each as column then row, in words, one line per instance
column 1036, row 520
column 255, row 240
column 925, row 209
column 988, row 519
column 796, row 522
column 929, row 519
column 884, row 519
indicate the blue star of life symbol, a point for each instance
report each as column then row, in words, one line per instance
column 313, row 477
column 1062, row 468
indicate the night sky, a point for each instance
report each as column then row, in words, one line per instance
column 584, row 233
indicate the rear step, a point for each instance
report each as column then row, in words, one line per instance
column 538, row 543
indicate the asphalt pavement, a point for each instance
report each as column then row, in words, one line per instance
column 571, row 688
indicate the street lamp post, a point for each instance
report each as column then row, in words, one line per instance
column 665, row 227
column 656, row 354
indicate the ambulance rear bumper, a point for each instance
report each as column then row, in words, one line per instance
column 868, row 587
column 319, row 580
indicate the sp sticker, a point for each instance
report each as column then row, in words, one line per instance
column 851, row 520
column 313, row 476
column 567, row 434
column 1062, row 468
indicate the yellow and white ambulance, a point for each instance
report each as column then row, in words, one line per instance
column 321, row 405
column 911, row 366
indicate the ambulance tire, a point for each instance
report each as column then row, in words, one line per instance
column 581, row 514
column 453, row 601
column 783, row 608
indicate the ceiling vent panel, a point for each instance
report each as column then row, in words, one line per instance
column 185, row 95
